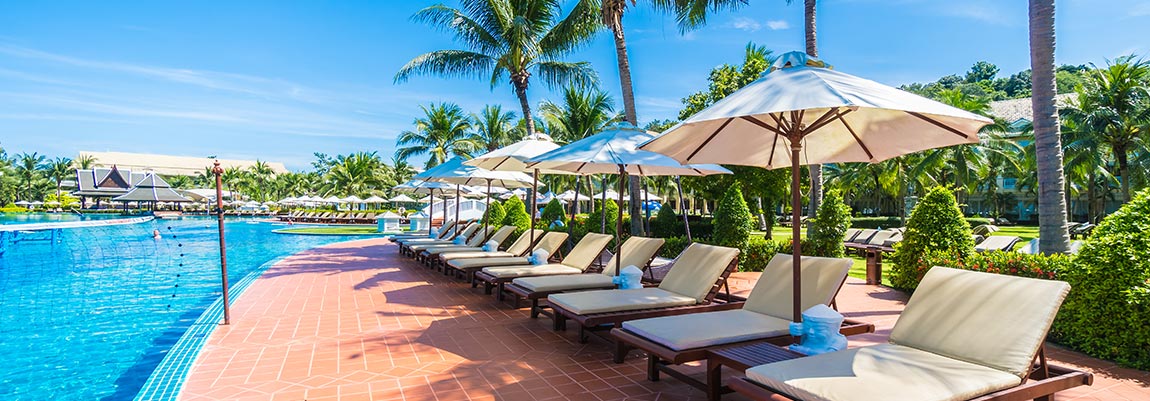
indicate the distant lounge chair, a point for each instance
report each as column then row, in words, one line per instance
column 550, row 243
column 637, row 251
column 578, row 261
column 964, row 335
column 690, row 287
column 1032, row 247
column 851, row 234
column 984, row 229
column 997, row 243
column 443, row 230
column 1083, row 231
column 764, row 317
column 414, row 247
column 520, row 247
column 877, row 239
column 431, row 254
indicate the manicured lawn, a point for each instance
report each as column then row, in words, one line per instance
column 349, row 230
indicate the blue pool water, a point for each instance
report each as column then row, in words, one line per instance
column 89, row 317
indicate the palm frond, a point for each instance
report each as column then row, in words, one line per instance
column 573, row 32
column 450, row 63
column 558, row 73
column 474, row 34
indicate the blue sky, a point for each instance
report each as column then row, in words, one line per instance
column 278, row 80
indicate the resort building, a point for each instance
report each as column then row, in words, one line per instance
column 168, row 165
column 101, row 183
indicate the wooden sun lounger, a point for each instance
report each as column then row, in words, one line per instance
column 405, row 247
column 599, row 323
column 522, row 245
column 768, row 304
column 634, row 253
column 577, row 261
column 997, row 243
column 992, row 350
column 475, row 243
column 551, row 242
column 447, row 226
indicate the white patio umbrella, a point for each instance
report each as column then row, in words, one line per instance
column 570, row 195
column 514, row 157
column 23, row 203
column 421, row 182
column 456, row 172
column 374, row 199
column 401, row 198
column 802, row 112
column 615, row 151
column 352, row 199
column 331, row 199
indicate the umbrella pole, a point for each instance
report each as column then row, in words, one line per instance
column 619, row 223
column 458, row 195
column 682, row 211
column 646, row 209
column 534, row 187
column 796, row 241
column 603, row 224
column 487, row 208
column 574, row 207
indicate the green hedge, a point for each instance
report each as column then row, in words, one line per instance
column 895, row 221
column 673, row 247
column 998, row 262
column 759, row 252
column 553, row 211
column 667, row 224
column 516, row 216
column 936, row 224
column 1108, row 308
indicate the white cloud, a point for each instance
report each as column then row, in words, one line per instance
column 1139, row 10
column 746, row 24
column 777, row 25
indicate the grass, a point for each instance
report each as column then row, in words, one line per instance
column 350, row 230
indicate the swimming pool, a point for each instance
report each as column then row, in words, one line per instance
column 90, row 315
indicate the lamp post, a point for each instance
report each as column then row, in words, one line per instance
column 218, row 171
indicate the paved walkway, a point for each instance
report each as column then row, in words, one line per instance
column 354, row 321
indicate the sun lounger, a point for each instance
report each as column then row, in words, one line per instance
column 764, row 317
column 690, row 287
column 851, row 234
column 413, row 247
column 431, row 254
column 637, row 251
column 577, row 261
column 520, row 247
column 550, row 243
column 964, row 335
column 442, row 232
column 475, row 241
column 997, row 243
column 878, row 238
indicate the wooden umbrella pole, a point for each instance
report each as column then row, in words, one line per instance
column 646, row 209
column 458, row 194
column 534, row 187
column 618, row 223
column 797, row 243
column 487, row 208
column 682, row 211
column 574, row 206
column 603, row 224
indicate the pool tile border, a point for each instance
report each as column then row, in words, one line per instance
column 168, row 378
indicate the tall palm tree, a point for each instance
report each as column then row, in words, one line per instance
column 357, row 174
column 584, row 112
column 689, row 14
column 495, row 128
column 262, row 174
column 28, row 172
column 812, row 48
column 967, row 165
column 1053, row 236
column 509, row 39
column 442, row 132
column 1115, row 104
column 59, row 170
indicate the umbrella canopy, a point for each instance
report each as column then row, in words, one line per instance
column 425, row 199
column 152, row 189
column 401, row 198
column 331, row 199
column 37, row 203
column 51, row 203
column 352, row 199
column 454, row 171
column 290, row 199
column 802, row 112
column 23, row 203
column 514, row 157
column 376, row 199
column 569, row 195
column 614, row 148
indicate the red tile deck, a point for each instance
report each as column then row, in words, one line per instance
column 356, row 321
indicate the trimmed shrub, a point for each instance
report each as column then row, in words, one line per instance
column 673, row 247
column 1106, row 312
column 552, row 212
column 667, row 224
column 702, row 228
column 732, row 220
column 594, row 221
column 496, row 213
column 758, row 253
column 936, row 224
column 876, row 222
column 516, row 215
column 830, row 226
column 998, row 262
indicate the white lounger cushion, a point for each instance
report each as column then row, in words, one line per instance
column 452, row 248
column 773, row 292
column 564, row 282
column 698, row 330
column 885, row 372
column 486, row 262
column 589, row 302
column 990, row 319
column 416, row 247
column 697, row 269
column 530, row 270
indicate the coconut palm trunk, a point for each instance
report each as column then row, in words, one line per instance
column 816, row 170
column 613, row 18
column 520, row 82
column 1052, row 233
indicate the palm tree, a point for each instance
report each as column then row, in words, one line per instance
column 179, row 181
column 85, row 162
column 494, row 127
column 689, row 14
column 28, row 168
column 1053, row 236
column 59, row 170
column 509, row 39
column 357, row 174
column 262, row 174
column 584, row 112
column 1115, row 104
column 443, row 131
column 812, row 48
